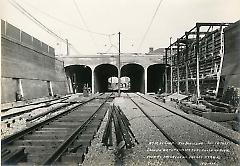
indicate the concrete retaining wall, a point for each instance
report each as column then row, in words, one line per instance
column 31, row 61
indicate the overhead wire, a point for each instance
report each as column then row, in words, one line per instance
column 37, row 22
column 149, row 26
column 70, row 25
column 84, row 22
column 130, row 41
column 63, row 21
column 111, row 44
column 31, row 17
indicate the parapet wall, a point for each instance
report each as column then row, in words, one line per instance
column 29, row 67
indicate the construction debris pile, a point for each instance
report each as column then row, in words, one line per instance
column 225, row 110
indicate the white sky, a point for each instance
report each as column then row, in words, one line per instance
column 130, row 17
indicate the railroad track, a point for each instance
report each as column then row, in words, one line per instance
column 61, row 139
column 42, row 104
column 36, row 103
column 142, row 102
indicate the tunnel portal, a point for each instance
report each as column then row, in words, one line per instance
column 102, row 73
column 80, row 75
column 136, row 74
column 155, row 78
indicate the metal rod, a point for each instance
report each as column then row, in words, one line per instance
column 178, row 54
column 221, row 62
column 67, row 47
column 166, row 84
column 186, row 62
column 171, row 79
column 119, row 65
column 197, row 60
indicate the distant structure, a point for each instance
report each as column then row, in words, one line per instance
column 159, row 51
column 204, row 60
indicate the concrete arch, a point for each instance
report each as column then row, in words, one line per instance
column 155, row 78
column 134, row 63
column 136, row 73
column 113, row 64
column 101, row 74
column 78, row 76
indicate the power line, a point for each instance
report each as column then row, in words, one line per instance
column 111, row 44
column 63, row 21
column 70, row 25
column 149, row 26
column 31, row 17
column 84, row 22
column 37, row 22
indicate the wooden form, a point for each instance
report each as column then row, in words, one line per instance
column 196, row 60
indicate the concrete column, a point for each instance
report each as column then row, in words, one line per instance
column 93, row 83
column 20, row 87
column 166, row 79
column 186, row 79
column 197, row 60
column 69, row 83
column 74, row 82
column 50, row 89
column 19, row 92
column 178, row 80
column 145, row 80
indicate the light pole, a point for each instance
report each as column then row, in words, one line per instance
column 119, row 65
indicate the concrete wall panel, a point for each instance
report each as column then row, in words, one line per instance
column 44, row 47
column 9, row 88
column 59, row 88
column 22, row 62
column 34, row 88
column 51, row 51
column 3, row 27
column 13, row 32
column 26, row 38
column 60, row 72
column 37, row 44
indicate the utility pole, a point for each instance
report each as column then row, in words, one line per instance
column 197, row 60
column 119, row 65
column 166, row 83
column 67, row 47
column 178, row 54
column 171, row 79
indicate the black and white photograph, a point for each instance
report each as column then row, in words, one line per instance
column 120, row 82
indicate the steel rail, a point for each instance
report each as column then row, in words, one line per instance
column 64, row 146
column 174, row 143
column 193, row 121
column 36, row 103
column 50, row 111
column 31, row 109
column 26, row 131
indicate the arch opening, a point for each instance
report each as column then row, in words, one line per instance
column 102, row 74
column 156, row 78
column 79, row 75
column 135, row 73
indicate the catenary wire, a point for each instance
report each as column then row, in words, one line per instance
column 84, row 22
column 37, row 22
column 63, row 21
column 149, row 26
